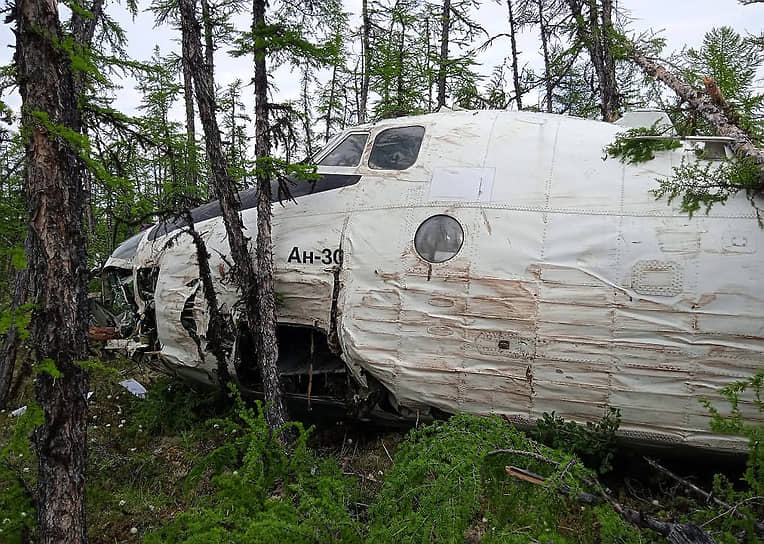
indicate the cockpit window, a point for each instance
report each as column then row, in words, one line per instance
column 348, row 152
column 128, row 248
column 396, row 148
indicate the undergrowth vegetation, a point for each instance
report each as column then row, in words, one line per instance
column 182, row 466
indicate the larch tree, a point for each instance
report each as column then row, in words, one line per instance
column 225, row 190
column 263, row 322
column 515, row 24
column 518, row 17
column 457, row 31
column 593, row 27
column 366, row 30
column 56, row 262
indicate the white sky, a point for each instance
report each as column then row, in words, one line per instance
column 683, row 22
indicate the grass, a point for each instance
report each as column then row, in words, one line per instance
column 181, row 466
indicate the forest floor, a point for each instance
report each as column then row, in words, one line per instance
column 182, row 466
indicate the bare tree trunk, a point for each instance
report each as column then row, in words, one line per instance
column 548, row 85
column 306, row 121
column 209, row 46
column 188, row 94
column 245, row 273
column 399, row 76
column 57, row 270
column 611, row 109
column 515, row 64
column 366, row 55
column 428, row 69
column 332, row 85
column 83, row 30
column 209, row 58
column 596, row 38
column 702, row 103
column 445, row 27
column 265, row 337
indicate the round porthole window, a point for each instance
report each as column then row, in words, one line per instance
column 439, row 238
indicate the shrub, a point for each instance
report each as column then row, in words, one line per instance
column 595, row 443
column 264, row 493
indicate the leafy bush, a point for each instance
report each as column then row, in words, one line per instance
column 595, row 443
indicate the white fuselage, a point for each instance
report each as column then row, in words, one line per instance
column 574, row 289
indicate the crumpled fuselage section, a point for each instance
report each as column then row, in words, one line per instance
column 571, row 290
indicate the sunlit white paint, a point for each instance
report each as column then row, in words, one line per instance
column 575, row 290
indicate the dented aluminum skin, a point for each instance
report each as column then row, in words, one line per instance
column 575, row 289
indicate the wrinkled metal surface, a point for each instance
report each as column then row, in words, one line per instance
column 574, row 291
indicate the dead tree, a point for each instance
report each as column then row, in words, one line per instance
column 57, row 269
column 705, row 106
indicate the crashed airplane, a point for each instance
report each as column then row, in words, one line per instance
column 486, row 262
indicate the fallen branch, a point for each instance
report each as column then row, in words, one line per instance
column 705, row 106
column 758, row 525
column 675, row 533
column 524, row 453
column 531, row 477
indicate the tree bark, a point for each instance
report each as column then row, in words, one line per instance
column 515, row 64
column 699, row 101
column 57, row 270
column 188, row 94
column 83, row 30
column 332, row 84
column 611, row 108
column 209, row 46
column 306, row 117
column 209, row 57
column 595, row 36
column 548, row 85
column 445, row 27
column 366, row 55
column 265, row 334
column 247, row 278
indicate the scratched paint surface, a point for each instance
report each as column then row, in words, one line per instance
column 574, row 290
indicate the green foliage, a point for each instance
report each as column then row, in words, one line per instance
column 703, row 184
column 594, row 442
column 631, row 147
column 613, row 530
column 733, row 62
column 171, row 407
column 735, row 423
column 17, row 478
column 47, row 366
column 79, row 143
column 444, row 479
column 272, row 495
column 747, row 498
column 95, row 367
column 19, row 319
